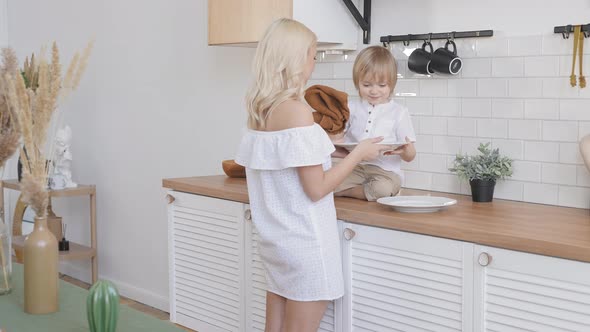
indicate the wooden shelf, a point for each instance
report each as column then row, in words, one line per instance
column 77, row 251
column 80, row 190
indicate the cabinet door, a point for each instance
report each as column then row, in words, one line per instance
column 256, row 288
column 400, row 281
column 206, row 263
column 517, row 291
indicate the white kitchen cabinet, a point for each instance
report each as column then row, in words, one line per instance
column 399, row 281
column 242, row 22
column 256, row 289
column 206, row 241
column 517, row 291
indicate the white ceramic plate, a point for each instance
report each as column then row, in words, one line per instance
column 391, row 145
column 417, row 204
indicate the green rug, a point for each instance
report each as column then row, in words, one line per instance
column 72, row 314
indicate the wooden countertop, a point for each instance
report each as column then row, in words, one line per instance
column 535, row 228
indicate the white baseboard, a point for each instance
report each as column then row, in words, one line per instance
column 132, row 292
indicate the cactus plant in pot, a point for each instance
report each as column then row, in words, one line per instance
column 482, row 171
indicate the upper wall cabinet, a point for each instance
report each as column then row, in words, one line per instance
column 242, row 22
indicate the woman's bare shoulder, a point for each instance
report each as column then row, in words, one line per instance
column 290, row 114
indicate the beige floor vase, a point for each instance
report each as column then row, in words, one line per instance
column 41, row 270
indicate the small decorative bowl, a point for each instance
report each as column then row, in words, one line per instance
column 233, row 170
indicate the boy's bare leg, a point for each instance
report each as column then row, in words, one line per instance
column 354, row 192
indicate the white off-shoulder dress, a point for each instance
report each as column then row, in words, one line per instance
column 299, row 242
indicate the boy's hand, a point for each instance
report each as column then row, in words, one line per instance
column 400, row 150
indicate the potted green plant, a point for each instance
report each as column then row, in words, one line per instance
column 482, row 171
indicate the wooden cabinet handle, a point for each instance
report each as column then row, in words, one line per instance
column 170, row 198
column 349, row 234
column 248, row 215
column 484, row 259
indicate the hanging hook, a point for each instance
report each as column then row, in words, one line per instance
column 453, row 36
column 429, row 37
column 566, row 34
column 586, row 32
column 407, row 41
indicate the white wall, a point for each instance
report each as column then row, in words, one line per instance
column 513, row 91
column 156, row 102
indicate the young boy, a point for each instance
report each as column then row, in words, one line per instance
column 376, row 114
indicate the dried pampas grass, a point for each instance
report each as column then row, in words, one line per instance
column 34, row 95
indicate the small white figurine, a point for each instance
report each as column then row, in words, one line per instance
column 62, row 175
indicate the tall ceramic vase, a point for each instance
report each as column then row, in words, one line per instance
column 41, row 270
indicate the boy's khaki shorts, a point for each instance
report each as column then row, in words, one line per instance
column 376, row 182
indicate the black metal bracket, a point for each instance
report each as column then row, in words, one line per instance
column 364, row 22
column 565, row 30
column 440, row 35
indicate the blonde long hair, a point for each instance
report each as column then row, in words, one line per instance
column 278, row 67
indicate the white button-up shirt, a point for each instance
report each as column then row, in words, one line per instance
column 390, row 120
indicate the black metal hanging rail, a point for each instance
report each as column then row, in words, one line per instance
column 440, row 35
column 565, row 30
column 364, row 22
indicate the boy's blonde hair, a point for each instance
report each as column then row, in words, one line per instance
column 375, row 63
column 278, row 66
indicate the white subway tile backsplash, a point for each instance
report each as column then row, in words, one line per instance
column 561, row 131
column 433, row 163
column 541, row 193
column 402, row 69
column 558, row 174
column 462, row 88
column 558, row 87
column 469, row 145
column 524, row 45
column 446, row 183
column 433, row 125
column 492, row 47
column 475, row 107
column 526, row 171
column 541, row 151
column 546, row 109
column 350, row 89
column 583, row 176
column 461, row 127
column 413, row 165
column 419, row 106
column 497, row 128
column 507, row 189
column 343, row 69
column 323, row 71
column 574, row 109
column 510, row 148
column 407, row 88
column 446, row 145
column 424, row 143
column 525, row 87
column 577, row 197
column 584, row 129
column 446, row 106
column 492, row 87
column 541, row 66
column 554, row 44
column 524, row 129
column 417, row 180
column 508, row 67
column 433, row 88
column 476, row 67
column 467, row 49
column 569, row 153
column 336, row 84
column 507, row 108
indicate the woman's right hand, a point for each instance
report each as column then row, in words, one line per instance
column 368, row 149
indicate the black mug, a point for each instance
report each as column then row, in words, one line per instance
column 419, row 60
column 445, row 60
